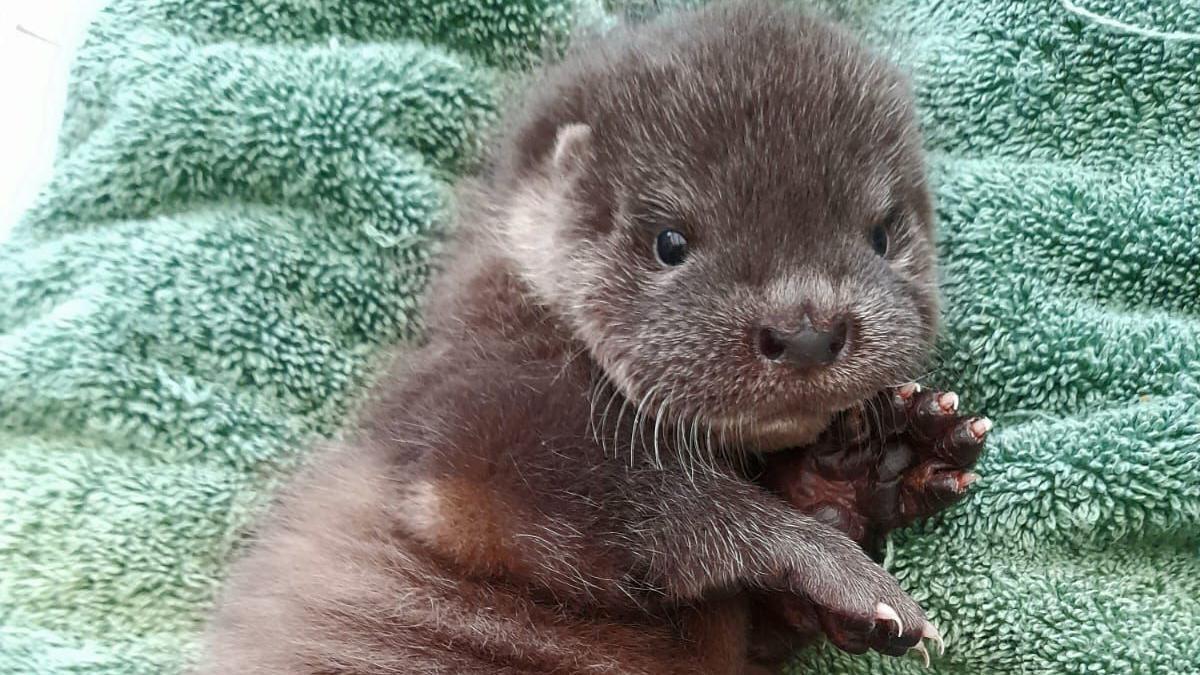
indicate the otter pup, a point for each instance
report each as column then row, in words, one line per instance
column 700, row 241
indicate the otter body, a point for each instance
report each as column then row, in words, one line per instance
column 699, row 241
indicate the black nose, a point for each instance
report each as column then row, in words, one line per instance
column 804, row 346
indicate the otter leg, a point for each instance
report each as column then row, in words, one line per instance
column 902, row 456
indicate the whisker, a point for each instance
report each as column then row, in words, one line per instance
column 657, row 422
column 639, row 414
column 604, row 420
column 617, row 430
column 708, row 451
column 708, row 438
column 680, row 439
column 593, row 399
column 876, row 418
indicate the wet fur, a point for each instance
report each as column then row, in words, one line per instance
column 555, row 481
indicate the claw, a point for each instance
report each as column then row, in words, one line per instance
column 981, row 427
column 967, row 479
column 933, row 414
column 948, row 402
column 931, row 632
column 920, row 649
column 906, row 391
column 885, row 613
column 962, row 446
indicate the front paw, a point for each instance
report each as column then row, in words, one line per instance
column 902, row 456
column 858, row 606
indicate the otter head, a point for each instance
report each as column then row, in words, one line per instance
column 730, row 210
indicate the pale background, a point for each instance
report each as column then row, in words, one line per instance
column 37, row 38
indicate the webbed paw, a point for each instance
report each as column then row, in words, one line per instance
column 902, row 456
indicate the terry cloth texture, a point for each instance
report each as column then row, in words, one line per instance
column 242, row 217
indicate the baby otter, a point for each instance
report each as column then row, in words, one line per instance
column 699, row 241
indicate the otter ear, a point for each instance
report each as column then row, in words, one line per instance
column 572, row 148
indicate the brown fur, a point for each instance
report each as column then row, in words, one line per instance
column 555, row 482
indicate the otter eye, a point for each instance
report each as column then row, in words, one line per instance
column 879, row 238
column 671, row 247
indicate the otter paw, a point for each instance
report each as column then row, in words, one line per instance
column 884, row 632
column 944, row 446
column 901, row 456
column 904, row 455
column 856, row 610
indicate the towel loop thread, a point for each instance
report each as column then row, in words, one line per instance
column 1122, row 27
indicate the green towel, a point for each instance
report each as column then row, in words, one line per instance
column 242, row 215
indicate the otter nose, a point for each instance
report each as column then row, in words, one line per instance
column 806, row 345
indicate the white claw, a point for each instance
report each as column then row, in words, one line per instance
column 885, row 613
column 981, row 427
column 948, row 402
column 931, row 632
column 907, row 390
column 920, row 648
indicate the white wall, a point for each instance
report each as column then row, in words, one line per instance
column 36, row 41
